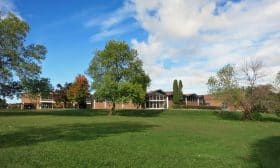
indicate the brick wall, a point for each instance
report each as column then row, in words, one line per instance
column 192, row 103
column 109, row 105
column 170, row 103
column 29, row 100
column 211, row 101
column 129, row 105
column 99, row 105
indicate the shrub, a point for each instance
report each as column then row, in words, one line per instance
column 204, row 107
column 178, row 106
column 256, row 116
column 229, row 115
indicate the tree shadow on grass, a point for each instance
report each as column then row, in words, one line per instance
column 266, row 152
column 83, row 112
column 139, row 113
column 55, row 112
column 69, row 132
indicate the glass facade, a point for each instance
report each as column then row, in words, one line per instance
column 46, row 105
column 156, row 101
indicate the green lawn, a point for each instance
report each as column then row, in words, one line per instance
column 182, row 138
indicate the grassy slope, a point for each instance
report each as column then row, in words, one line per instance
column 169, row 139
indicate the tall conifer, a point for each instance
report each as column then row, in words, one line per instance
column 180, row 89
column 175, row 93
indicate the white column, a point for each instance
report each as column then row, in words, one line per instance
column 167, row 102
column 40, row 105
column 122, row 105
column 94, row 104
column 198, row 101
column 186, row 100
column 105, row 104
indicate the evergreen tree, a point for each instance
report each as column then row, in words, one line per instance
column 180, row 89
column 175, row 93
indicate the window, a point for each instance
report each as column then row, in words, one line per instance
column 156, row 100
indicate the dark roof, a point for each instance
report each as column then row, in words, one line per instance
column 170, row 93
column 190, row 94
column 153, row 91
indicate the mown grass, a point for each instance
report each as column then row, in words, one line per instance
column 173, row 138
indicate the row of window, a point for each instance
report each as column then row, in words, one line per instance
column 160, row 97
column 191, row 98
column 156, row 105
column 156, row 97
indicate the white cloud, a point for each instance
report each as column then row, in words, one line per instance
column 8, row 6
column 114, row 18
column 199, row 37
column 104, row 34
column 109, row 24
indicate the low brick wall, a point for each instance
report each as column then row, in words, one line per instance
column 109, row 105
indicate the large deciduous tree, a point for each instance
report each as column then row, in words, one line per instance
column 37, row 88
column 274, row 105
column 79, row 91
column 226, row 87
column 17, row 61
column 251, row 73
column 277, row 82
column 118, row 74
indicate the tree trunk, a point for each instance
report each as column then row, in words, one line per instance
column 247, row 110
column 247, row 115
column 112, row 111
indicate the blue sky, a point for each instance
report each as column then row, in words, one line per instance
column 176, row 39
column 61, row 27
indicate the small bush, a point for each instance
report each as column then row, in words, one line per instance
column 204, row 107
column 229, row 115
column 178, row 106
column 256, row 116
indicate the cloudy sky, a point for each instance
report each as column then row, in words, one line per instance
column 176, row 39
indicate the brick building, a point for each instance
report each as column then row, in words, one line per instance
column 156, row 99
column 159, row 99
column 36, row 102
